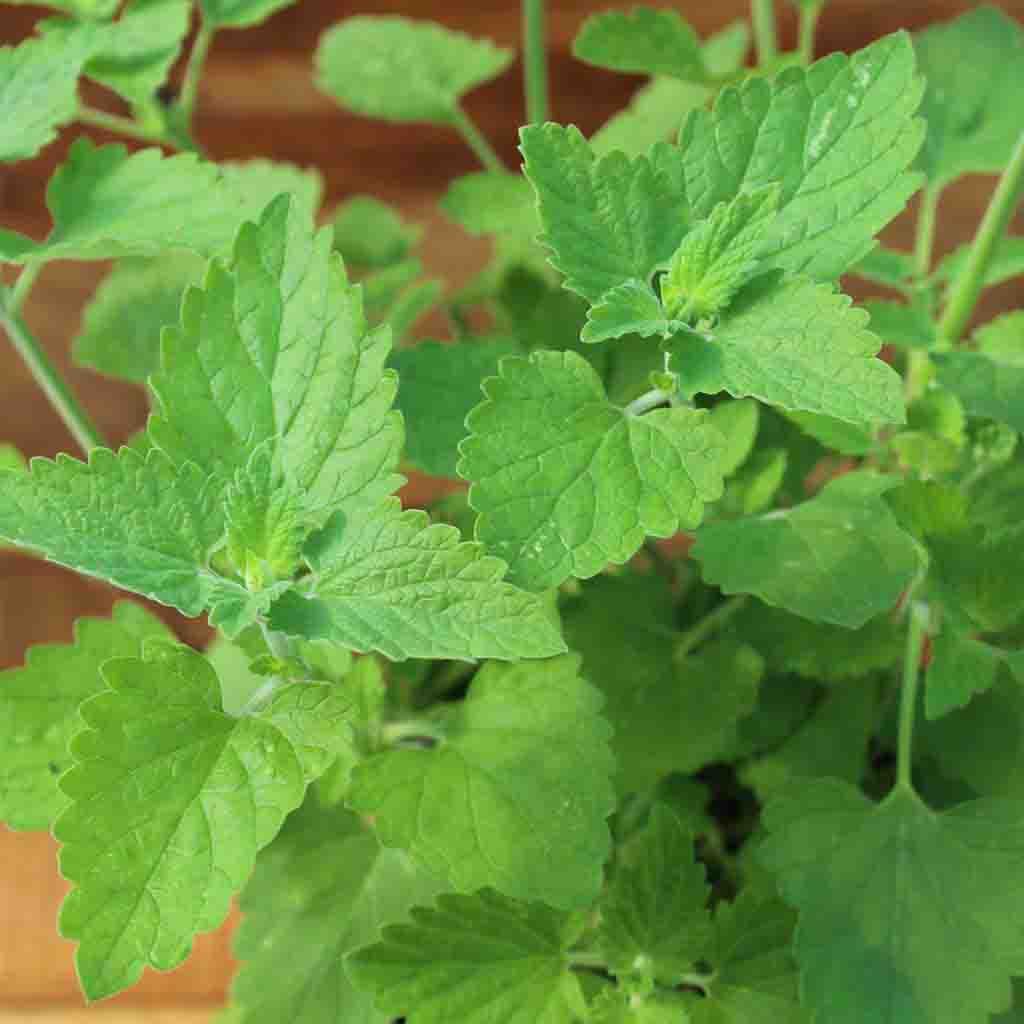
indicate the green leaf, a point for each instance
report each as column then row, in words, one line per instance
column 839, row 558
column 11, row 458
column 644, row 41
column 961, row 667
column 900, row 324
column 38, row 94
column 480, row 959
column 492, row 203
column 885, row 266
column 262, row 181
column 565, row 482
column 402, row 70
column 324, row 888
column 617, row 1006
column 719, row 255
column 170, row 800
column 797, row 344
column 39, row 710
column 605, row 221
column 845, row 438
column 906, row 916
column 521, row 778
column 121, row 326
column 98, row 9
column 438, row 385
column 386, row 580
column 654, row 917
column 629, row 308
column 1007, row 262
column 971, row 65
column 737, row 421
column 240, row 13
column 838, row 136
column 370, row 233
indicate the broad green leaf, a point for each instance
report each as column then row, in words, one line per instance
column 629, row 308
column 401, row 70
column 232, row 661
column 1007, row 262
column 754, row 488
column 906, row 916
column 961, row 667
column 121, row 326
column 845, row 438
column 388, row 581
column 275, row 351
column 522, row 777
column 323, row 889
column 99, row 9
column 438, row 385
column 644, row 41
column 605, row 221
column 718, row 256
column 971, row 65
column 617, row 1006
column 480, row 959
column 170, row 800
column 885, row 266
column 370, row 233
column 737, row 421
column 39, row 710
column 837, row 136
column 900, row 324
column 840, row 557
column 492, row 203
column 262, row 181
column 38, row 94
column 565, row 482
column 240, row 13
column 796, row 344
column 654, row 917
column 784, row 703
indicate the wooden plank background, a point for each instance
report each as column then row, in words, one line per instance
column 258, row 100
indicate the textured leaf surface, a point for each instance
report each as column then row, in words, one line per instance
column 240, row 13
column 170, row 800
column 885, row 266
column 391, row 582
column 797, row 344
column 906, row 916
column 39, row 710
column 402, row 70
column 961, row 667
column 630, row 308
column 900, row 324
column 480, row 959
column 845, row 438
column 521, row 779
column 839, row 558
column 323, row 889
column 838, row 137
column 565, row 482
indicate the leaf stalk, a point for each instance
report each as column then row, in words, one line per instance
column 916, row 632
column 762, row 14
column 476, row 141
column 535, row 61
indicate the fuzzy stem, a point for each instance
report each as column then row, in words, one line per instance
column 647, row 401
column 476, row 141
column 808, row 26
column 535, row 61
column 916, row 630
column 711, row 623
column 762, row 14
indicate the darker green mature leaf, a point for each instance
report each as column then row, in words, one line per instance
column 240, row 13
column 480, row 959
column 323, row 889
column 843, row 128
column 170, row 799
column 521, row 779
column 630, row 308
column 402, row 70
column 796, row 344
column 39, row 710
column 906, row 916
column 971, row 65
column 438, row 385
column 839, row 558
column 645, row 41
column 900, row 324
column 565, row 482
column 492, row 203
column 961, row 667
column 388, row 581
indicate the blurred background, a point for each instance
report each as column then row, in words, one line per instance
column 257, row 98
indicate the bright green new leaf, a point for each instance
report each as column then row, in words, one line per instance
column 900, row 324
column 11, row 458
column 521, row 778
column 718, row 256
column 492, row 203
column 654, row 917
column 370, row 233
column 1007, row 262
column 565, row 482
column 961, row 667
column 39, row 710
column 386, row 580
column 240, row 13
column 323, row 889
column 837, row 136
column 644, row 41
column 402, row 70
column 438, row 385
column 170, row 800
column 479, row 959
column 906, row 916
column 971, row 65
column 840, row 557
column 629, row 308
column 796, row 344
column 885, row 266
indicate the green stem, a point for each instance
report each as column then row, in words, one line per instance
column 649, row 400
column 762, row 13
column 27, row 278
column 711, row 623
column 535, row 61
column 916, row 631
column 411, row 728
column 808, row 26
column 476, row 141
column 118, row 124
column 925, row 239
column 53, row 385
column 971, row 280
column 583, row 958
column 194, row 70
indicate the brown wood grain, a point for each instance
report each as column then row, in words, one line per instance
column 258, row 99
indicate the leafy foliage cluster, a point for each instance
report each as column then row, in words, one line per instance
column 559, row 772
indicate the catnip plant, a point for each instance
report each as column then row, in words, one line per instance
column 512, row 760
